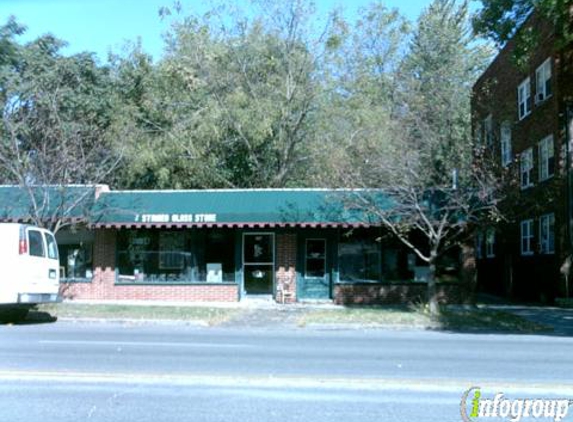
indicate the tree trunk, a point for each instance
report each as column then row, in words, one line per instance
column 469, row 272
column 432, row 292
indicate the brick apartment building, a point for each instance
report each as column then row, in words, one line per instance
column 522, row 117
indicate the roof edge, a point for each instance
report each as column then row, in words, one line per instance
column 230, row 190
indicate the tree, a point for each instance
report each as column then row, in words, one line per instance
column 359, row 85
column 57, row 124
column 232, row 103
column 152, row 102
column 502, row 20
column 423, row 162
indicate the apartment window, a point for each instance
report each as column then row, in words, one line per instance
column 546, row 158
column 543, row 81
column 526, row 164
column 479, row 245
column 478, row 134
column 527, row 237
column 506, row 154
column 524, row 98
column 488, row 130
column 490, row 243
column 547, row 234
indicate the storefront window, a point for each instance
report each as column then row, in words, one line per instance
column 153, row 256
column 171, row 251
column 391, row 264
column 359, row 256
column 76, row 262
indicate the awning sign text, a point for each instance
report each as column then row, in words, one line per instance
column 176, row 218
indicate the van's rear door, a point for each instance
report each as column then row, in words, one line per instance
column 42, row 273
column 53, row 258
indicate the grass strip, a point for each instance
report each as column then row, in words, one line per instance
column 450, row 319
column 199, row 314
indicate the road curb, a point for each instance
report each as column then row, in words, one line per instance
column 134, row 321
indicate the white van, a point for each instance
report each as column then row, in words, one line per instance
column 29, row 268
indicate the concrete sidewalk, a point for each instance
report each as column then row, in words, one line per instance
column 560, row 319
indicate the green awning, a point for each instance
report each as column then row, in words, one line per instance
column 228, row 208
column 187, row 208
column 48, row 203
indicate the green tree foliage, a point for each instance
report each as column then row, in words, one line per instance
column 230, row 105
column 151, row 110
column 358, row 98
column 56, row 115
column 424, row 161
column 438, row 73
column 502, row 20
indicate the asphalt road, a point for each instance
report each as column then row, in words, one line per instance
column 113, row 372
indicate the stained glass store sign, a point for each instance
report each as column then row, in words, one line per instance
column 176, row 218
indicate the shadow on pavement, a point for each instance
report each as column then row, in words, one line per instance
column 560, row 319
column 33, row 318
column 545, row 320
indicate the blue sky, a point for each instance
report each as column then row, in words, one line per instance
column 104, row 25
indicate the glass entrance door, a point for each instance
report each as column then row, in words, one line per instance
column 315, row 282
column 258, row 262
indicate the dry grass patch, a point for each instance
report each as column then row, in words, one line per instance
column 450, row 318
column 366, row 315
column 199, row 314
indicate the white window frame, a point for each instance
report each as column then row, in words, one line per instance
column 547, row 234
column 490, row 243
column 505, row 141
column 524, row 98
column 526, row 234
column 488, row 130
column 526, row 168
column 542, row 77
column 546, row 151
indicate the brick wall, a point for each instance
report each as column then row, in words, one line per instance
column 394, row 294
column 103, row 285
column 495, row 93
column 286, row 268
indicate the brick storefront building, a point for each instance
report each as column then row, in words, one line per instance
column 287, row 245
column 522, row 117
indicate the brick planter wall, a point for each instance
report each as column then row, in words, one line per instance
column 103, row 285
column 395, row 294
column 167, row 293
column 286, row 268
